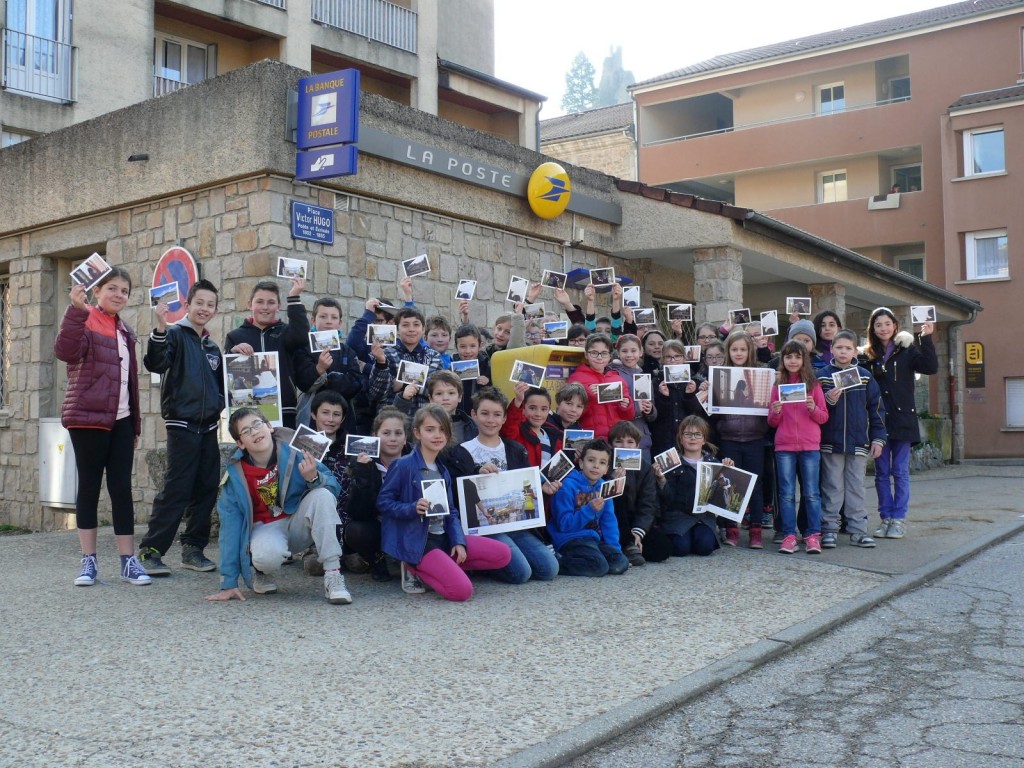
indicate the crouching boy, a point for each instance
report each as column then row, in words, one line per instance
column 583, row 525
column 276, row 500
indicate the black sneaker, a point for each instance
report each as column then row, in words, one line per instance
column 192, row 557
column 152, row 564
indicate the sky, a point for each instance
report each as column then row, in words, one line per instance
column 536, row 40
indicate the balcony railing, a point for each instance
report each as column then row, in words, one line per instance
column 374, row 19
column 276, row 3
column 778, row 120
column 163, row 85
column 38, row 66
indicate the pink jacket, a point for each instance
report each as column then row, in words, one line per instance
column 796, row 428
column 601, row 417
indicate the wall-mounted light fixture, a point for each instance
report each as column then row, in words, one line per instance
column 138, row 157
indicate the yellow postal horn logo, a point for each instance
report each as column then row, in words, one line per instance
column 549, row 190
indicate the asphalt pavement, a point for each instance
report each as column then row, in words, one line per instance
column 518, row 676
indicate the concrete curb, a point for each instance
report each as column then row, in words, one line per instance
column 577, row 741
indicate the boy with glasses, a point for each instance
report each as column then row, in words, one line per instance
column 276, row 500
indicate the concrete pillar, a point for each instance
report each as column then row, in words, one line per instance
column 424, row 88
column 828, row 296
column 717, row 283
column 295, row 48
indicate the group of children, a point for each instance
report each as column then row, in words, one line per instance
column 370, row 515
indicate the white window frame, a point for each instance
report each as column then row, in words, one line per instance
column 829, row 177
column 830, row 88
column 1014, row 387
column 971, row 254
column 968, row 137
column 160, row 38
column 914, row 257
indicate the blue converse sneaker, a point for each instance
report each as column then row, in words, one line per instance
column 90, row 572
column 133, row 572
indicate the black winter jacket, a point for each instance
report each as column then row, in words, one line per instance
column 191, row 377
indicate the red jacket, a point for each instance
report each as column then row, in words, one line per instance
column 517, row 428
column 601, row 417
column 87, row 342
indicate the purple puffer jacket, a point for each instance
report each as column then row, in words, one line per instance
column 87, row 342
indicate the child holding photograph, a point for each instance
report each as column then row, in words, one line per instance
column 445, row 389
column 276, row 500
column 627, row 366
column 741, row 437
column 191, row 401
column 365, row 478
column 583, row 526
column 384, row 388
column 676, row 530
column 673, row 402
column 600, row 417
column 433, row 550
column 375, row 315
column 527, row 424
column 102, row 415
column 855, row 430
column 639, row 500
column 439, row 337
column 469, row 343
column 530, row 556
column 893, row 359
column 798, row 442
column 570, row 402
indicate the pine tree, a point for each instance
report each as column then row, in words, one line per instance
column 580, row 90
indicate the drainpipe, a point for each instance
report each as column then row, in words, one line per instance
column 950, row 348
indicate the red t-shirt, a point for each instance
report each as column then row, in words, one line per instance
column 262, row 482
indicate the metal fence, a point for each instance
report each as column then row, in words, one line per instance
column 373, row 19
column 38, row 66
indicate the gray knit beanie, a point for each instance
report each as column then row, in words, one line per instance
column 802, row 326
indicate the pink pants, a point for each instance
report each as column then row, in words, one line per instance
column 439, row 571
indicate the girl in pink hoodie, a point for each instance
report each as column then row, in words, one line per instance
column 797, row 421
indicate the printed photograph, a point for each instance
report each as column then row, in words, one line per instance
column 627, row 459
column 387, row 309
column 680, row 312
column 847, row 378
column 358, row 445
column 552, row 279
column 692, row 353
column 799, row 304
column 466, row 290
column 793, row 393
column 528, row 373
column 603, row 276
column 534, row 311
column 770, row 323
column 436, row 492
column 610, row 392
column 383, row 334
column 612, row 488
column 91, row 271
column 676, row 374
column 291, row 269
column 416, row 266
column 722, row 490
column 312, row 442
column 644, row 316
column 739, row 390
column 668, row 461
column 576, row 438
column 319, row 341
column 517, row 288
column 166, row 293
column 557, row 330
column 412, row 373
column 922, row 314
column 631, row 296
column 739, row 316
column 501, row 502
column 253, row 381
column 643, row 388
column 466, row 369
column 558, row 467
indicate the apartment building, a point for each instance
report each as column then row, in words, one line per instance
column 65, row 61
column 902, row 140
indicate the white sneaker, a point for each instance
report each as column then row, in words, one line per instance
column 410, row 584
column 262, row 584
column 334, row 589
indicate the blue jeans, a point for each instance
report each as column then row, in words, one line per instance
column 894, row 464
column 589, row 557
column 750, row 457
column 531, row 557
column 810, row 465
column 699, row 540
